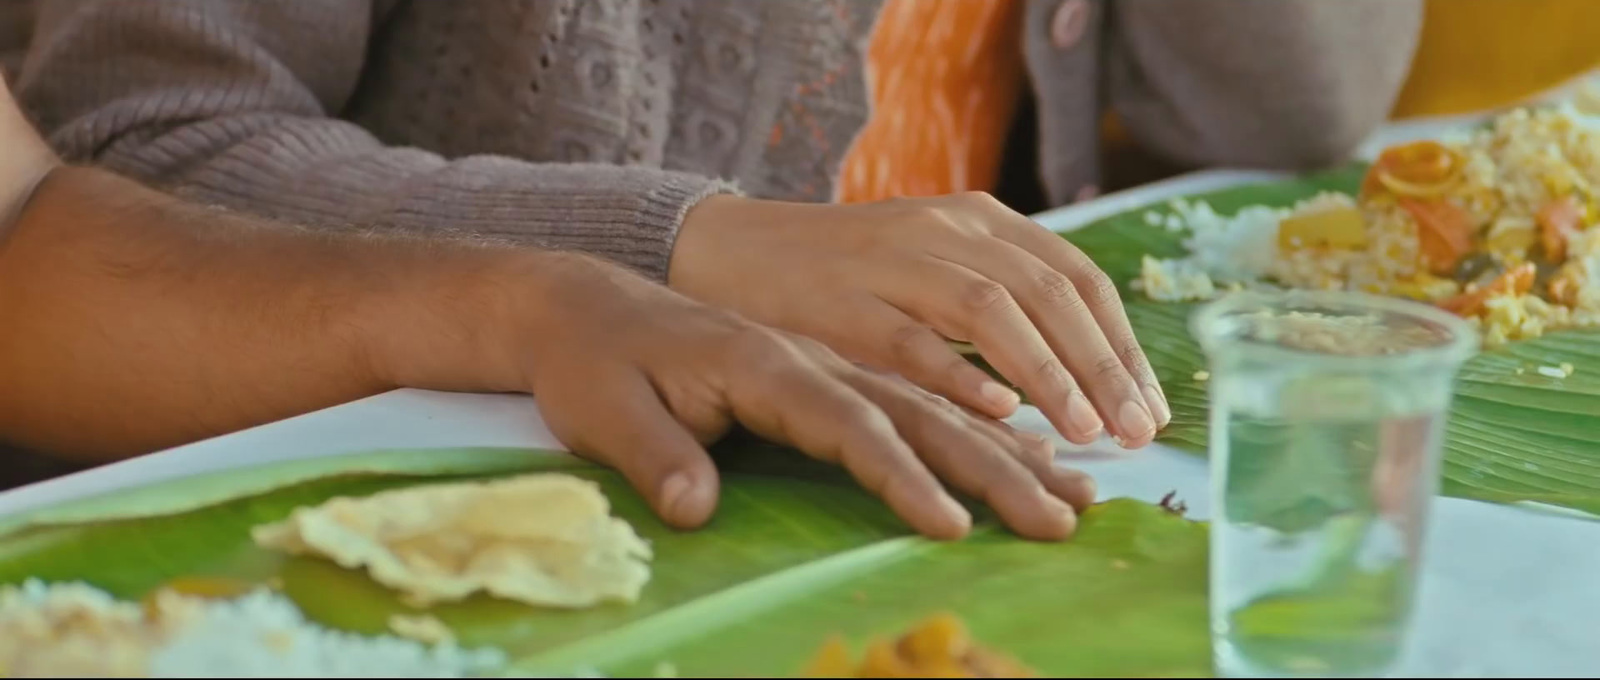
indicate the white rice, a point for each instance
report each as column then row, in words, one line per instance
column 263, row 635
column 1225, row 251
column 259, row 635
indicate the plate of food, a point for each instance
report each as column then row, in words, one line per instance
column 1495, row 223
column 504, row 562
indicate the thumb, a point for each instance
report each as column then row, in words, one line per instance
column 622, row 423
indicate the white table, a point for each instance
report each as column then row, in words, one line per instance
column 1507, row 591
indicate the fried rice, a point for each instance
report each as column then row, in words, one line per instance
column 1495, row 224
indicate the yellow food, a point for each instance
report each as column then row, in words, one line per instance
column 1454, row 222
column 1338, row 227
column 545, row 539
column 939, row 647
column 1510, row 237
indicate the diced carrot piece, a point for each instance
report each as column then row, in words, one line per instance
column 1444, row 233
column 1558, row 221
column 1514, row 281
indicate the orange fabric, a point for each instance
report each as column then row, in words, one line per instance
column 1483, row 54
column 945, row 77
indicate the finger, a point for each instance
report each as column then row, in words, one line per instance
column 884, row 336
column 960, row 452
column 957, row 300
column 788, row 398
column 620, row 422
column 1061, row 312
column 1038, row 454
column 1100, row 293
column 1034, row 451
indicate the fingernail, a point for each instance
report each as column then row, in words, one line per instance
column 673, row 493
column 1057, row 506
column 1082, row 416
column 1135, row 420
column 1065, row 517
column 954, row 511
column 998, row 395
column 1158, row 405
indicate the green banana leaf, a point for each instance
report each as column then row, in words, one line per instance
column 1514, row 435
column 795, row 553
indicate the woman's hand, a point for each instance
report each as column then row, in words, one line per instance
column 640, row 378
column 888, row 283
column 27, row 159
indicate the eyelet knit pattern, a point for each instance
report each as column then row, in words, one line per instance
column 584, row 124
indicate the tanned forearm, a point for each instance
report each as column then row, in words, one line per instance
column 134, row 321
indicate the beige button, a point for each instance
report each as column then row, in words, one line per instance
column 1069, row 23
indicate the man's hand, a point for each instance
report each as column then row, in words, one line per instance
column 132, row 321
column 640, row 378
column 888, row 283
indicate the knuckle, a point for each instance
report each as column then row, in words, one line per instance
column 923, row 211
column 1051, row 372
column 905, row 340
column 986, row 296
column 866, row 428
column 980, row 199
column 962, row 366
column 1058, row 290
column 1099, row 289
column 1108, row 366
column 1034, row 453
column 1129, row 353
column 946, row 408
column 758, row 348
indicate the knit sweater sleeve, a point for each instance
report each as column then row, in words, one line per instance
column 1267, row 83
column 234, row 102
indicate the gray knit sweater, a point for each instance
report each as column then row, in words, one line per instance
column 596, row 124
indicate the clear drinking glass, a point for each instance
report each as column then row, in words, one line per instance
column 1327, row 420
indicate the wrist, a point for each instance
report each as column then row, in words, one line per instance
column 713, row 227
column 460, row 317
